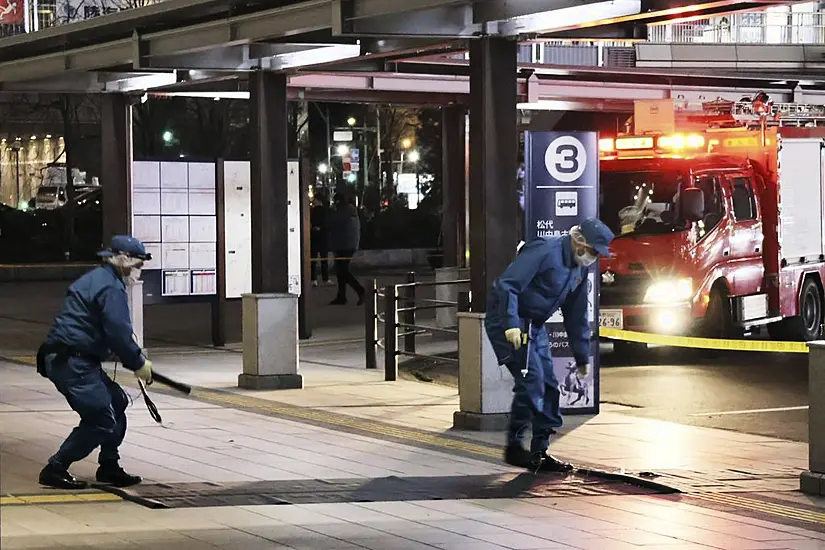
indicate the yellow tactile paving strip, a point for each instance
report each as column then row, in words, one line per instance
column 62, row 498
column 762, row 506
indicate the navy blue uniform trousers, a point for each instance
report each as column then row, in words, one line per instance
column 101, row 404
column 536, row 389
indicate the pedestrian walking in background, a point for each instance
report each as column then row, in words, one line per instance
column 319, row 237
column 344, row 239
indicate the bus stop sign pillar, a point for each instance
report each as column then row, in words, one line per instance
column 562, row 190
column 812, row 481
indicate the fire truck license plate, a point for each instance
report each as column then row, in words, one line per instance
column 611, row 318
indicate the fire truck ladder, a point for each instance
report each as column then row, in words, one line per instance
column 778, row 114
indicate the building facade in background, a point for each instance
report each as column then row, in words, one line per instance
column 20, row 16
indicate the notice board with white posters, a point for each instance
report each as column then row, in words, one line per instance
column 173, row 214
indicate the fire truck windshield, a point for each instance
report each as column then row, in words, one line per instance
column 641, row 203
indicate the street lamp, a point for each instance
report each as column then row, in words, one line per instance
column 167, row 136
column 342, row 149
column 406, row 143
column 322, row 168
column 414, row 156
column 351, row 121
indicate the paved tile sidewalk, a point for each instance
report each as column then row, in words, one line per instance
column 601, row 523
column 688, row 457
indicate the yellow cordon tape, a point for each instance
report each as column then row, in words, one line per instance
column 703, row 343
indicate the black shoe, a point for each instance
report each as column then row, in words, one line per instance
column 361, row 298
column 51, row 476
column 518, row 456
column 115, row 476
column 338, row 302
column 551, row 464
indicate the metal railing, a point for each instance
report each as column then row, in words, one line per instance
column 744, row 28
column 391, row 311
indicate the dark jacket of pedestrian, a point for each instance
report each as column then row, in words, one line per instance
column 345, row 229
column 319, row 219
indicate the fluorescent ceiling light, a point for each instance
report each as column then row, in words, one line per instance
column 210, row 95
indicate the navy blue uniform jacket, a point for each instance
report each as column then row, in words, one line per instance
column 95, row 318
column 543, row 278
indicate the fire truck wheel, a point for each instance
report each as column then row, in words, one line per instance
column 718, row 321
column 808, row 325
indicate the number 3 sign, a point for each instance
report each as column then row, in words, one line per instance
column 565, row 159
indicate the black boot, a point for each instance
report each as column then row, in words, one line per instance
column 51, row 476
column 551, row 464
column 112, row 474
column 518, row 456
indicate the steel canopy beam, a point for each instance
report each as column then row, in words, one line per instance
column 261, row 26
column 598, row 88
column 254, row 56
column 445, row 21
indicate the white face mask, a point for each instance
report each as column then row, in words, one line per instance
column 585, row 258
column 134, row 275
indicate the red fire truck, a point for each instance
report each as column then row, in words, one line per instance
column 720, row 227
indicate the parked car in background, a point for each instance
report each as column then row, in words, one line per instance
column 50, row 233
column 17, row 228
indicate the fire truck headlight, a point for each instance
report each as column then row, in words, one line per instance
column 669, row 291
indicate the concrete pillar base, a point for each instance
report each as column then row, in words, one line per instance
column 270, row 342
column 812, row 483
column 485, row 388
column 271, row 382
column 494, row 422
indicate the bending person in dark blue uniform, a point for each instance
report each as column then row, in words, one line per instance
column 95, row 321
column 548, row 274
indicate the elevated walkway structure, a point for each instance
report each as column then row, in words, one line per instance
column 180, row 40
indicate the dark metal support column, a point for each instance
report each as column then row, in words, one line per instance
column 116, row 164
column 453, row 220
column 270, row 355
column 493, row 162
column 268, row 121
column 219, row 301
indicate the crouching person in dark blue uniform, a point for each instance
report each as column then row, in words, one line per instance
column 548, row 274
column 93, row 323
